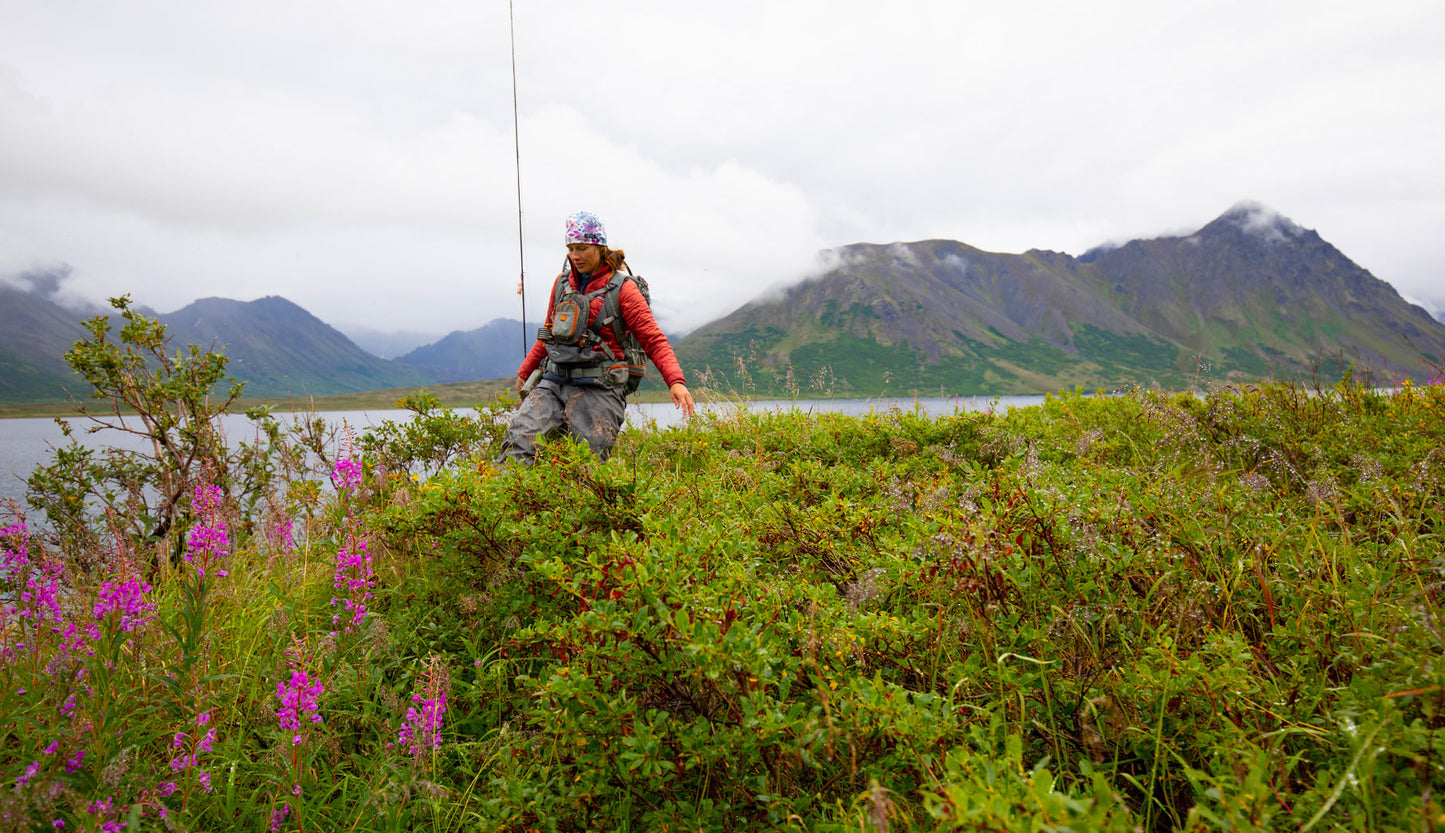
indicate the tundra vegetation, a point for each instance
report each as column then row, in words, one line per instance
column 1155, row 611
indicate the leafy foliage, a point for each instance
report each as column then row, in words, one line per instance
column 1083, row 611
column 1148, row 611
column 163, row 411
column 435, row 436
column 166, row 402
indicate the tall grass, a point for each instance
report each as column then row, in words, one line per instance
column 1146, row 611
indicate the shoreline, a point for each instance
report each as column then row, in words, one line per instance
column 450, row 395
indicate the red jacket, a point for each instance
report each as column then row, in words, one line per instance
column 636, row 318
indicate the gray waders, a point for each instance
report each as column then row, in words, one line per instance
column 591, row 413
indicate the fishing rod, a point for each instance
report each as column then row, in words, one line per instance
column 517, row 149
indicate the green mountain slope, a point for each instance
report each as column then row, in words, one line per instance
column 1254, row 289
column 1249, row 295
column 280, row 349
column 275, row 347
column 34, row 335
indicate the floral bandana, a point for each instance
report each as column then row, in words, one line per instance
column 585, row 227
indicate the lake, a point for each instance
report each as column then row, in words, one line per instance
column 26, row 443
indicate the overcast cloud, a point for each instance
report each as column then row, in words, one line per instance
column 357, row 157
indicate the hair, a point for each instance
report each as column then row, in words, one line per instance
column 615, row 258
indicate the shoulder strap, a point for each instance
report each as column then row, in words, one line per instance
column 564, row 286
column 612, row 305
column 560, row 287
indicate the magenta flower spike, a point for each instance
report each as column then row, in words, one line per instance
column 421, row 731
column 126, row 597
column 353, row 579
column 209, row 541
column 299, row 702
column 346, row 475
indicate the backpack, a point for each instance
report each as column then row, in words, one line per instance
column 611, row 314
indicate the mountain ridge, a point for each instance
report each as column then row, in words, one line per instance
column 1250, row 294
column 491, row 351
column 35, row 332
column 1247, row 295
column 280, row 349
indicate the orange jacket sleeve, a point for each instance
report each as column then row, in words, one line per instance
column 638, row 318
column 538, row 353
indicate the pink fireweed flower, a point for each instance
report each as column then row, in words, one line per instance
column 281, row 534
column 209, row 541
column 298, row 698
column 191, row 749
column 39, row 592
column 278, row 817
column 422, row 729
column 101, row 809
column 30, row 592
column 40, row 599
column 77, row 638
column 126, row 597
column 346, row 476
column 354, row 578
column 30, row 772
column 15, row 550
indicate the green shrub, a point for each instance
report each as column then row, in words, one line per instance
column 1143, row 611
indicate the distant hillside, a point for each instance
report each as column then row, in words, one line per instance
column 491, row 351
column 1256, row 292
column 275, row 347
column 1249, row 295
column 35, row 332
column 280, row 349
column 387, row 345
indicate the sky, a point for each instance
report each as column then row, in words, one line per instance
column 358, row 157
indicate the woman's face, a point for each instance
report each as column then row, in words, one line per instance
column 585, row 257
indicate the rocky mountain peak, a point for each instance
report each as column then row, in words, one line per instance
column 1255, row 220
column 1251, row 294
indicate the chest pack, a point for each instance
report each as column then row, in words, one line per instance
column 576, row 351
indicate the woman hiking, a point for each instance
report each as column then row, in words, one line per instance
column 584, row 371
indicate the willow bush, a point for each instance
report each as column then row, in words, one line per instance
column 1152, row 609
column 1148, row 611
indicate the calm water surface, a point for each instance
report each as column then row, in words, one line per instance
column 26, row 443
